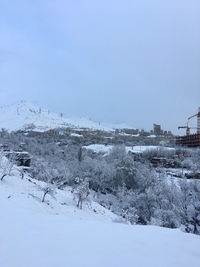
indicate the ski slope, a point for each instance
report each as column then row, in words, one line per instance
column 58, row 234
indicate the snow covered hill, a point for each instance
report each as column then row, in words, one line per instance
column 24, row 115
column 57, row 233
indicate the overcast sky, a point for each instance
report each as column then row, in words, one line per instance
column 111, row 60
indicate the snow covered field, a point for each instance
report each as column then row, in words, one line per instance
column 57, row 234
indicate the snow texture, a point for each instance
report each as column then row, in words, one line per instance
column 57, row 233
column 26, row 116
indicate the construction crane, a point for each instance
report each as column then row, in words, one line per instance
column 198, row 120
column 187, row 129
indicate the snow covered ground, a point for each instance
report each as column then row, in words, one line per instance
column 58, row 234
column 135, row 149
column 22, row 115
column 27, row 194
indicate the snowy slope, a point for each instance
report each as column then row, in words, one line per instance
column 57, row 234
column 26, row 195
column 21, row 115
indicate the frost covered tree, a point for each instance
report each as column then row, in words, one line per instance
column 48, row 189
column 82, row 192
column 48, row 175
column 6, row 166
column 130, row 215
column 190, row 205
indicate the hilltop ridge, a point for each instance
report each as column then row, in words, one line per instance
column 26, row 116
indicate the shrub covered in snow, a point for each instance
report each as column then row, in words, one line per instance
column 126, row 183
